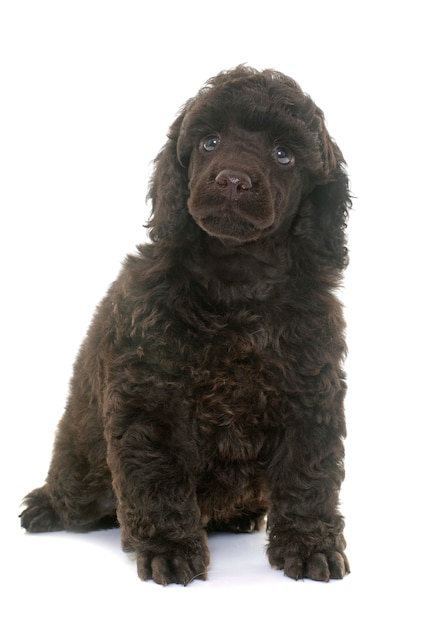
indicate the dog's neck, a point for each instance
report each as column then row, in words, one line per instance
column 232, row 272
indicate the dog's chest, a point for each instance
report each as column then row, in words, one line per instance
column 234, row 394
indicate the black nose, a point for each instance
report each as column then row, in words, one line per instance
column 232, row 183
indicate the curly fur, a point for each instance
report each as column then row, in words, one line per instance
column 209, row 390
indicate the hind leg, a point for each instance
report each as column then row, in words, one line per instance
column 41, row 515
column 77, row 495
column 78, row 492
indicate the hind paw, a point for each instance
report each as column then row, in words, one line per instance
column 39, row 515
column 247, row 523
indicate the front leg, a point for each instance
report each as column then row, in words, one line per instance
column 305, row 527
column 307, row 548
column 152, row 470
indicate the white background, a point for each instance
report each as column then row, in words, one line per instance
column 88, row 90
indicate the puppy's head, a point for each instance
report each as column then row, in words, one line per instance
column 247, row 157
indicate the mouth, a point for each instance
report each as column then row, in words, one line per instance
column 228, row 226
column 232, row 219
column 240, row 220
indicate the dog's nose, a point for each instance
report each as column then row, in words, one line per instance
column 233, row 183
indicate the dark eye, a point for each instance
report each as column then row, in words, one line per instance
column 283, row 156
column 210, row 143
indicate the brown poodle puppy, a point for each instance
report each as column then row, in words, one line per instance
column 209, row 391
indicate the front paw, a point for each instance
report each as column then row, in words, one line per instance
column 319, row 564
column 179, row 563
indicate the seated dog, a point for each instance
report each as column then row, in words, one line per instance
column 208, row 393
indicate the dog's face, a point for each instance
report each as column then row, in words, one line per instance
column 251, row 144
column 248, row 157
column 242, row 183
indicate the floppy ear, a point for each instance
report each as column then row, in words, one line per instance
column 168, row 189
column 330, row 206
column 323, row 214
